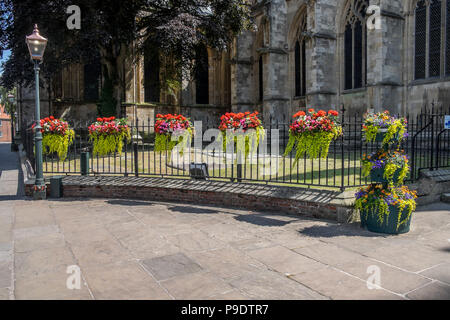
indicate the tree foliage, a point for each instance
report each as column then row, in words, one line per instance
column 10, row 108
column 111, row 28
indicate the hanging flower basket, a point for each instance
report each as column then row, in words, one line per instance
column 311, row 134
column 386, row 166
column 381, row 127
column 386, row 210
column 245, row 128
column 172, row 130
column 56, row 137
column 108, row 135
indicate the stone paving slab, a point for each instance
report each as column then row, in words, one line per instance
column 439, row 272
column 167, row 267
column 338, row 285
column 4, row 294
column 432, row 291
column 151, row 250
column 196, row 286
column 123, row 281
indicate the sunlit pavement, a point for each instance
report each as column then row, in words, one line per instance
column 126, row 249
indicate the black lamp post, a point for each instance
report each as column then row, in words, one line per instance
column 36, row 46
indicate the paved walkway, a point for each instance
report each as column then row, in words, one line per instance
column 129, row 249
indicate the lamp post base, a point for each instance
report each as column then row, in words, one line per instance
column 40, row 193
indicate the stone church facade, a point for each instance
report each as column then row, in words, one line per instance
column 302, row 53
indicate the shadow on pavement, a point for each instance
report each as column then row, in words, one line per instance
column 129, row 203
column 260, row 220
column 189, row 209
column 331, row 231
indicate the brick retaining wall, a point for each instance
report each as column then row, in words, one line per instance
column 306, row 202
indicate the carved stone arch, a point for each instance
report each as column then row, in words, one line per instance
column 355, row 11
column 350, row 10
column 353, row 43
column 297, row 44
column 298, row 26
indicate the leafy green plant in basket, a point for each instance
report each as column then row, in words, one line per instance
column 246, row 130
column 386, row 166
column 384, row 128
column 57, row 136
column 378, row 204
column 173, row 130
column 108, row 135
column 311, row 134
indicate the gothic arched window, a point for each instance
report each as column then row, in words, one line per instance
column 152, row 85
column 300, row 60
column 201, row 76
column 92, row 75
column 430, row 57
column 355, row 44
column 260, row 78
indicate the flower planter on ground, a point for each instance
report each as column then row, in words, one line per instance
column 172, row 130
column 385, row 207
column 311, row 134
column 108, row 135
column 390, row 224
column 56, row 137
column 245, row 129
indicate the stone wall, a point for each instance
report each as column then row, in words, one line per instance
column 321, row 204
column 234, row 75
column 146, row 113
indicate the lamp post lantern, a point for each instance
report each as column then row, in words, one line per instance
column 36, row 46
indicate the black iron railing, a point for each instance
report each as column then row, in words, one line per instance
column 428, row 146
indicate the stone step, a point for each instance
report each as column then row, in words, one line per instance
column 445, row 197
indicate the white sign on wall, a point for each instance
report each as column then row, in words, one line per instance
column 447, row 122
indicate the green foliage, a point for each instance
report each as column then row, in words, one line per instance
column 394, row 132
column 366, row 168
column 107, row 105
column 246, row 143
column 167, row 142
column 313, row 145
column 380, row 209
column 381, row 200
column 10, row 108
column 371, row 133
column 56, row 143
column 105, row 144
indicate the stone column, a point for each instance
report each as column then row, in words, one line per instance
column 242, row 72
column 384, row 58
column 275, row 60
column 322, row 84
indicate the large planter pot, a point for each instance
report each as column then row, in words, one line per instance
column 382, row 134
column 389, row 225
column 376, row 175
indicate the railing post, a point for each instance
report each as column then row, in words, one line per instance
column 84, row 165
column 136, row 159
column 343, row 150
column 438, row 147
column 239, row 167
column 432, row 143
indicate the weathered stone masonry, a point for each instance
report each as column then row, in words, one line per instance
column 258, row 71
